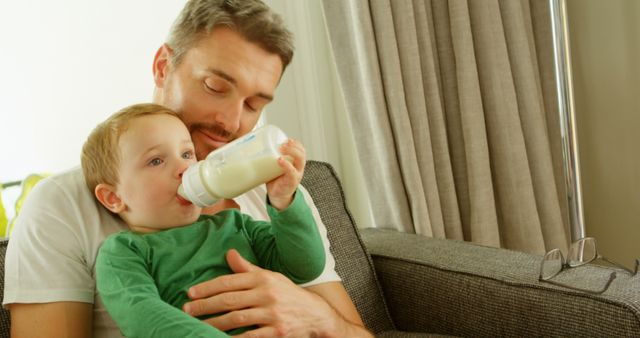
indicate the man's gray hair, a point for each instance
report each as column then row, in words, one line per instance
column 252, row 19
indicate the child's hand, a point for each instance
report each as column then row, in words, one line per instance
column 282, row 188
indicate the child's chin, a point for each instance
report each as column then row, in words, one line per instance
column 194, row 217
column 186, row 220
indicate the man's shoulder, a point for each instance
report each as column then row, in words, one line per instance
column 64, row 200
column 69, row 181
column 69, row 178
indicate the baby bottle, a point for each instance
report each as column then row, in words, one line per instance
column 235, row 168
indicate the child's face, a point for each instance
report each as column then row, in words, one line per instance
column 154, row 152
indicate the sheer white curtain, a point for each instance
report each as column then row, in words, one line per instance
column 309, row 105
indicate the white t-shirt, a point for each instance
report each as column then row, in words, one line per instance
column 53, row 248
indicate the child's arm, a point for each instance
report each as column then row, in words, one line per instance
column 290, row 244
column 280, row 190
column 131, row 297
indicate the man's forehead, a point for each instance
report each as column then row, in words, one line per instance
column 225, row 44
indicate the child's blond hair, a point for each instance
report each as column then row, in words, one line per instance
column 100, row 157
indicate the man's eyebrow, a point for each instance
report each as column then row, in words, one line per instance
column 223, row 75
column 233, row 81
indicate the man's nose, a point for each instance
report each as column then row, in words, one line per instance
column 229, row 116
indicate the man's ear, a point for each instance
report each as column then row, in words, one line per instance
column 106, row 194
column 160, row 64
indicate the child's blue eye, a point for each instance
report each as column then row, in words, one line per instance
column 155, row 162
column 187, row 155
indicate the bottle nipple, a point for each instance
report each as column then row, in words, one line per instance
column 182, row 193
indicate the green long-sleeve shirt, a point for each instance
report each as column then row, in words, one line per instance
column 143, row 278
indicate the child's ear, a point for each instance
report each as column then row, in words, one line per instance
column 107, row 195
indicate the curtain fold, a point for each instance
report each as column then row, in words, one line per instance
column 452, row 108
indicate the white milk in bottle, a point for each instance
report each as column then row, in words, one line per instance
column 236, row 168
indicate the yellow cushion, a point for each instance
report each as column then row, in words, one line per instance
column 3, row 217
column 27, row 184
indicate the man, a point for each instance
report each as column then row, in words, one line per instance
column 218, row 69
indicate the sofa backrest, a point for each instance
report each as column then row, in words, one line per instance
column 353, row 263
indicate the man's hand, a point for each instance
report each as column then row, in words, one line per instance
column 254, row 296
column 281, row 189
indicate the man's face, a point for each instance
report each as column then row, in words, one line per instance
column 154, row 152
column 219, row 88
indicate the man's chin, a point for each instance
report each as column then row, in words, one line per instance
column 203, row 149
column 201, row 155
column 205, row 145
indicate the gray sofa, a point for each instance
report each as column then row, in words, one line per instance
column 406, row 285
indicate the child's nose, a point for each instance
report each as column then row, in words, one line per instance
column 182, row 168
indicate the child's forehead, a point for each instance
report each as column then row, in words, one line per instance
column 149, row 124
column 143, row 120
column 143, row 133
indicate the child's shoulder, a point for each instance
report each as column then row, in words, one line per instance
column 121, row 239
column 226, row 213
column 225, row 217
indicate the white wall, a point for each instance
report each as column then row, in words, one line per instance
column 605, row 49
column 66, row 65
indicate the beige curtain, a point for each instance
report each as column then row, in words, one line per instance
column 453, row 107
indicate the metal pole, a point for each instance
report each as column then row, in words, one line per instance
column 562, row 63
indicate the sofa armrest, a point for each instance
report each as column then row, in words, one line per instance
column 462, row 289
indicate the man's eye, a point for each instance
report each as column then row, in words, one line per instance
column 155, row 162
column 187, row 155
column 215, row 86
column 249, row 106
column 211, row 89
column 255, row 104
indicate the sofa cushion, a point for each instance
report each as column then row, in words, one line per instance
column 470, row 290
